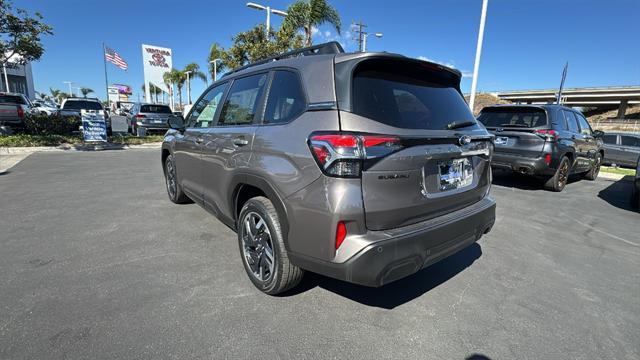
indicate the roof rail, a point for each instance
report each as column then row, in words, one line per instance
column 332, row 47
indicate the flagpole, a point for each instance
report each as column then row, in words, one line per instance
column 106, row 78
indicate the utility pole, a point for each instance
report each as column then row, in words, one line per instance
column 359, row 29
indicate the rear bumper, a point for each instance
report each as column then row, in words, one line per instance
column 521, row 164
column 407, row 250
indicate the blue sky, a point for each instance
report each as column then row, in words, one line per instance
column 526, row 42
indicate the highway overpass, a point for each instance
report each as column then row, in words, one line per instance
column 585, row 97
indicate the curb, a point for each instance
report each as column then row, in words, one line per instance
column 610, row 176
column 78, row 147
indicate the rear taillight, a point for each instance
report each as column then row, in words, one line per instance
column 20, row 112
column 140, row 116
column 547, row 159
column 343, row 154
column 550, row 135
column 341, row 234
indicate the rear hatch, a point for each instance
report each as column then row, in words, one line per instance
column 155, row 114
column 435, row 158
column 516, row 129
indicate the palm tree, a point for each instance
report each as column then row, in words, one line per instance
column 216, row 52
column 309, row 14
column 58, row 95
column 177, row 78
column 85, row 91
column 195, row 73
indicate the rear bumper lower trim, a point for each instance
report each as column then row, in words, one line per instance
column 388, row 260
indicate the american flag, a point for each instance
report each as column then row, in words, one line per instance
column 113, row 57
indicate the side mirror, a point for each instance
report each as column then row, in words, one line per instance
column 598, row 133
column 176, row 122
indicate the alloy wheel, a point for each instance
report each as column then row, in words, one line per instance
column 563, row 174
column 171, row 179
column 257, row 246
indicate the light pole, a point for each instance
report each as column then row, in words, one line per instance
column 188, row 85
column 69, row 83
column 476, row 65
column 215, row 68
column 269, row 10
column 364, row 39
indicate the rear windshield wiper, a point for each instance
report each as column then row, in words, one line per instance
column 514, row 125
column 457, row 125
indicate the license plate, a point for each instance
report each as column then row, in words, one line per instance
column 501, row 140
column 157, row 121
column 455, row 174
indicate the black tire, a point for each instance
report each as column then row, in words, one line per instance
column 635, row 197
column 595, row 169
column 174, row 190
column 284, row 275
column 559, row 180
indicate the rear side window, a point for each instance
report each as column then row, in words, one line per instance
column 242, row 102
column 286, row 99
column 584, row 125
column 572, row 122
column 626, row 140
column 159, row 109
column 610, row 139
column 409, row 96
column 513, row 117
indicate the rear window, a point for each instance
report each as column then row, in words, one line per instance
column 513, row 117
column 160, row 109
column 82, row 104
column 12, row 99
column 409, row 96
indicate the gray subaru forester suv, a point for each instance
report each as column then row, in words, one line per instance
column 365, row 167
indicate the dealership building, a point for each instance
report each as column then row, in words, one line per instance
column 20, row 78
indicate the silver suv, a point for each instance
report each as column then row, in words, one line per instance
column 365, row 167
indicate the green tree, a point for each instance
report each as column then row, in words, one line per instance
column 195, row 73
column 20, row 35
column 86, row 91
column 177, row 78
column 58, row 95
column 254, row 45
column 308, row 14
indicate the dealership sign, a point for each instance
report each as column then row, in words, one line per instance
column 94, row 126
column 156, row 61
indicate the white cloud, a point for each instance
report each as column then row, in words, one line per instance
column 314, row 31
column 327, row 33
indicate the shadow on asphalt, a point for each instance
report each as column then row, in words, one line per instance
column 618, row 193
column 399, row 292
column 523, row 182
column 478, row 357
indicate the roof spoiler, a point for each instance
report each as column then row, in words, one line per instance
column 332, row 47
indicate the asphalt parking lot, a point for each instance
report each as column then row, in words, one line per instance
column 95, row 262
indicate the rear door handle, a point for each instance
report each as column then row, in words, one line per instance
column 240, row 142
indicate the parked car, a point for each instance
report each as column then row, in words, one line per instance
column 365, row 167
column 149, row 117
column 43, row 108
column 622, row 149
column 73, row 106
column 635, row 192
column 548, row 141
column 13, row 108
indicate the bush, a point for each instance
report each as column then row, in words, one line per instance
column 51, row 125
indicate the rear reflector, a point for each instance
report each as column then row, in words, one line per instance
column 341, row 233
